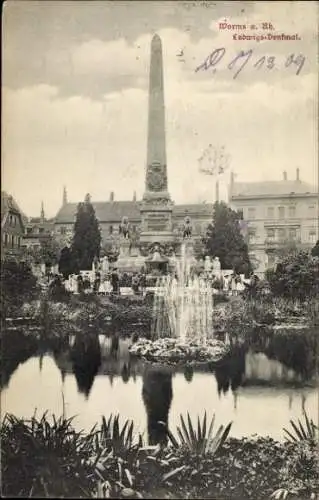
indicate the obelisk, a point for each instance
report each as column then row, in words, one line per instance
column 156, row 208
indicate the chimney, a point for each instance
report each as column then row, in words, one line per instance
column 231, row 186
column 112, row 196
column 134, row 196
column 285, row 175
column 65, row 196
column 217, row 191
column 42, row 212
column 298, row 174
column 232, row 179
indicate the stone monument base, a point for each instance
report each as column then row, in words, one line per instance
column 124, row 248
column 157, row 237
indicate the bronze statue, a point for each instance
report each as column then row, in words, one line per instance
column 187, row 228
column 124, row 228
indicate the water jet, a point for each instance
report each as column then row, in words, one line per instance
column 182, row 327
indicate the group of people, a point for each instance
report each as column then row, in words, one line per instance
column 105, row 283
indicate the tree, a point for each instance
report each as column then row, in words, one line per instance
column 315, row 250
column 65, row 262
column 111, row 252
column 17, row 284
column 49, row 251
column 295, row 277
column 225, row 241
column 86, row 241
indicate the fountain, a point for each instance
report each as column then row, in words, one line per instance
column 182, row 329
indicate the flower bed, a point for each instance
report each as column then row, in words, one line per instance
column 173, row 351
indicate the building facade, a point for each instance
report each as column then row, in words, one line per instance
column 110, row 215
column 12, row 226
column 279, row 215
column 36, row 231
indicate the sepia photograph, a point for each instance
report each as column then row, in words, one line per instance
column 160, row 249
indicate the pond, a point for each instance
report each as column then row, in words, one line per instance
column 254, row 390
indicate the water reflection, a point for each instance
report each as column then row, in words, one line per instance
column 157, row 396
column 125, row 373
column 15, row 349
column 188, row 373
column 86, row 361
column 230, row 372
column 245, row 383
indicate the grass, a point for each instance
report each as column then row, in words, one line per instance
column 47, row 457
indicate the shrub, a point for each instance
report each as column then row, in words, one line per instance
column 41, row 458
column 295, row 277
column 18, row 285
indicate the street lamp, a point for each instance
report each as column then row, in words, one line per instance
column 214, row 162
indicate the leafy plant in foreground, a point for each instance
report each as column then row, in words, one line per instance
column 300, row 432
column 116, row 439
column 199, row 439
column 43, row 458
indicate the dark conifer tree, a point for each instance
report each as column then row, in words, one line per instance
column 224, row 239
column 86, row 241
column 315, row 250
column 65, row 262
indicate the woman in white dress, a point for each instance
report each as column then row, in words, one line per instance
column 107, row 286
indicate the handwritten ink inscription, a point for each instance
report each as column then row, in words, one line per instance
column 242, row 58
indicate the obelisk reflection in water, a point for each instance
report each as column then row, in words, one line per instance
column 86, row 361
column 157, row 396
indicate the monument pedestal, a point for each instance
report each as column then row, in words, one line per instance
column 129, row 259
column 156, row 222
column 124, row 248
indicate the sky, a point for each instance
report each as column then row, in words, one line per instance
column 75, row 96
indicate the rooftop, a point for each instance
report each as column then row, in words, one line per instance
column 272, row 188
column 9, row 203
column 112, row 211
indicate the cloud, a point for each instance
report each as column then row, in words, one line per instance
column 99, row 146
column 75, row 111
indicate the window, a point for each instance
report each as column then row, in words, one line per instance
column 270, row 212
column 252, row 235
column 270, row 234
column 19, row 241
column 271, row 259
column 292, row 233
column 292, row 211
column 312, row 209
column 62, row 230
column 312, row 236
column 281, row 212
column 29, row 230
column 251, row 212
column 111, row 229
column 281, row 234
column 41, row 229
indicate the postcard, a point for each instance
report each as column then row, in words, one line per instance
column 159, row 249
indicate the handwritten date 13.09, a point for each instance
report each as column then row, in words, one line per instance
column 239, row 62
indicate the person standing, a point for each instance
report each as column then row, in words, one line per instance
column 115, row 281
column 233, row 285
column 135, row 284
